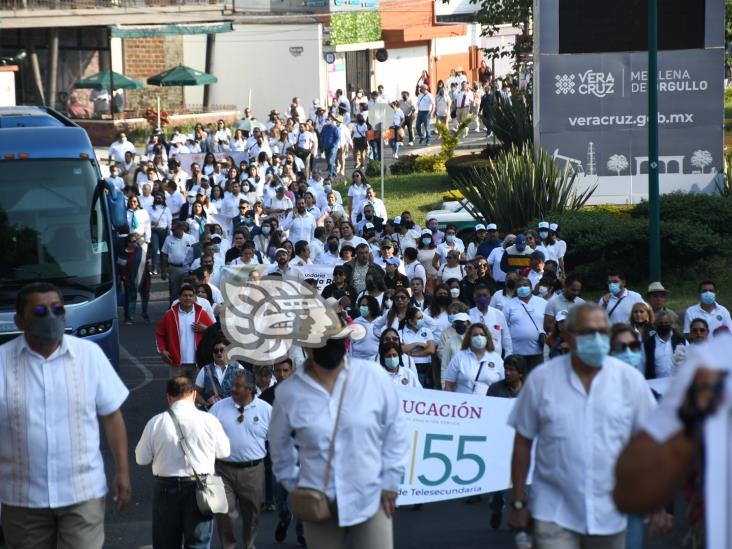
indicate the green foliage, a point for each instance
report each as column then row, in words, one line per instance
column 373, row 168
column 404, row 165
column 353, row 27
column 728, row 21
column 713, row 211
column 513, row 122
column 463, row 165
column 450, row 139
column 492, row 15
column 518, row 186
column 724, row 185
column 432, row 163
column 600, row 240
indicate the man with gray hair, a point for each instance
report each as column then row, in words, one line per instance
column 583, row 408
column 246, row 422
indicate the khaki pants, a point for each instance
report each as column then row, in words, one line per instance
column 375, row 533
column 359, row 157
column 244, row 485
column 462, row 114
column 548, row 535
column 341, row 162
column 73, row 527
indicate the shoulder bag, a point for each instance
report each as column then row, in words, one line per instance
column 542, row 335
column 310, row 504
column 480, row 388
column 210, row 491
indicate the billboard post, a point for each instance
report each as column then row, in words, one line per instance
column 654, row 211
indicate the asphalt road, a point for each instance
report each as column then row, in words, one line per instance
column 452, row 524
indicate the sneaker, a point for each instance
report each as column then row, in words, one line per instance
column 281, row 530
column 411, row 143
column 301, row 541
column 396, row 155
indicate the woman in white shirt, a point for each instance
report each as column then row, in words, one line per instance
column 238, row 143
column 138, row 220
column 396, row 314
column 376, row 203
column 417, row 341
column 197, row 221
column 391, row 359
column 209, row 163
column 451, row 269
column 525, row 320
column 477, row 366
column 161, row 221
column 442, row 103
column 222, row 137
column 357, row 190
column 368, row 308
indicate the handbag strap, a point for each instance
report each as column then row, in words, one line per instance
column 331, row 450
column 614, row 306
column 480, row 369
column 530, row 317
column 214, row 380
column 183, row 444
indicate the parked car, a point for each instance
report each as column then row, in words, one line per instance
column 455, row 213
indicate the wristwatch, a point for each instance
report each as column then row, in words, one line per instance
column 519, row 504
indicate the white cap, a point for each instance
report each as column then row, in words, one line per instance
column 398, row 220
column 553, row 227
column 543, row 224
column 480, row 227
column 561, row 315
column 491, row 227
column 368, row 226
column 463, row 317
column 278, row 250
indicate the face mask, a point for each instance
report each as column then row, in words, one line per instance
column 391, row 362
column 614, row 288
column 482, row 301
column 663, row 331
column 632, row 358
column 708, row 298
column 523, row 291
column 370, row 285
column 266, row 229
column 443, row 300
column 191, row 199
column 510, row 284
column 217, row 247
column 479, row 342
column 47, row 330
column 363, row 311
column 543, row 290
column 433, row 228
column 450, row 239
column 592, row 348
column 426, row 241
column 543, row 235
column 245, row 189
column 420, row 323
column 333, row 247
column 450, row 318
column 460, row 327
column 330, row 355
column 327, row 188
column 387, row 303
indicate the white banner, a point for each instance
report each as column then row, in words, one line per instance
column 460, row 445
column 322, row 273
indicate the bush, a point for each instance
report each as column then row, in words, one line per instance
column 513, row 123
column 713, row 211
column 404, row 165
column 599, row 240
column 430, row 164
column 462, row 166
column 373, row 168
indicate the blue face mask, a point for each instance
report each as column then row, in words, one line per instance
column 420, row 323
column 523, row 291
column 426, row 241
column 543, row 235
column 614, row 288
column 391, row 362
column 593, row 348
column 363, row 311
column 450, row 239
column 630, row 357
column 450, row 318
column 327, row 188
column 708, row 298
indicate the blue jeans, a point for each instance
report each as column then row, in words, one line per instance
column 375, row 149
column 157, row 239
column 634, row 534
column 423, row 121
column 330, row 156
column 283, row 509
column 176, row 517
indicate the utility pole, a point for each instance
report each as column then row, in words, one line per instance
column 654, row 210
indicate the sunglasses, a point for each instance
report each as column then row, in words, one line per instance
column 620, row 347
column 55, row 310
column 218, row 350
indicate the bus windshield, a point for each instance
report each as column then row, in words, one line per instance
column 52, row 229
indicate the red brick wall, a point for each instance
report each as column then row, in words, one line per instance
column 145, row 57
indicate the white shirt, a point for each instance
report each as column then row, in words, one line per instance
column 299, row 227
column 49, row 426
column 466, row 372
column 621, row 313
column 415, row 270
column 367, row 347
column 425, row 102
column 559, row 302
column 495, row 321
column 524, row 329
column 463, row 99
column 371, row 443
column 444, row 248
column 422, row 337
column 494, row 261
column 159, row 443
column 118, row 149
column 177, row 248
column 247, row 438
column 499, row 300
column 187, row 336
column 718, row 317
column 404, row 377
column 580, row 437
column 663, row 355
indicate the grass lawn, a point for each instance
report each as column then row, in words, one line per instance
column 418, row 193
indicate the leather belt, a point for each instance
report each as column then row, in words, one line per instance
column 241, row 464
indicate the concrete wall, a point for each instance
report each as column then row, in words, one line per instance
column 265, row 58
column 401, row 71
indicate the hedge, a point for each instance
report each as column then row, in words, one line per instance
column 463, row 165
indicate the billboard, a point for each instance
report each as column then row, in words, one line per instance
column 591, row 107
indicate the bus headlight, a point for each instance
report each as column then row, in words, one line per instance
column 93, row 329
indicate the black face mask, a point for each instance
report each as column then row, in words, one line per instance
column 663, row 331
column 370, row 285
column 333, row 247
column 510, row 284
column 331, row 355
column 460, row 327
column 443, row 299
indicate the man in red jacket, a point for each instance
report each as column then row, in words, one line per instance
column 180, row 331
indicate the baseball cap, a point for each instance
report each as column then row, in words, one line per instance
column 215, row 238
column 520, row 240
column 462, row 317
column 426, row 232
column 278, row 250
column 553, row 227
column 561, row 315
column 386, row 243
column 491, row 227
column 480, row 227
column 368, row 226
column 393, row 261
column 543, row 224
column 397, row 220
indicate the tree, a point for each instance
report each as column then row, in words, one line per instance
column 518, row 13
column 701, row 159
column 728, row 21
column 617, row 163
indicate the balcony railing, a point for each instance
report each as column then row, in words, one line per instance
column 15, row 5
